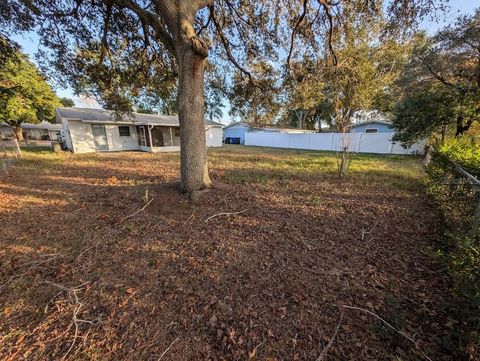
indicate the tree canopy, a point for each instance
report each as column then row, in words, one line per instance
column 25, row 96
column 440, row 86
column 67, row 102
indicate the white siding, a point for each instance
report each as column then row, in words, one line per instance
column 80, row 134
column 79, row 137
column 116, row 142
column 214, row 136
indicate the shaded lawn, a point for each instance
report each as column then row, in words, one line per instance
column 266, row 284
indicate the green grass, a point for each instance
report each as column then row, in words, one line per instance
column 262, row 165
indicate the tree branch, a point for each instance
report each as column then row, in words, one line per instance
column 151, row 19
column 326, row 6
column 106, row 25
column 292, row 38
column 438, row 76
column 224, row 42
column 204, row 26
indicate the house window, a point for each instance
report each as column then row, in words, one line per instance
column 371, row 130
column 124, row 131
column 177, row 132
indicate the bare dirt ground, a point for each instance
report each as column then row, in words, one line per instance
column 102, row 259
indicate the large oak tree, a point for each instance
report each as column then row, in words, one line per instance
column 114, row 48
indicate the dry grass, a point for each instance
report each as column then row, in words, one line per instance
column 268, row 283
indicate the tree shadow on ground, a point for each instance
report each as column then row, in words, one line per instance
column 267, row 283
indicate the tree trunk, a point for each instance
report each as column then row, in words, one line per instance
column 18, row 133
column 342, row 171
column 461, row 127
column 193, row 151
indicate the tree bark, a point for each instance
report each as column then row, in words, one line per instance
column 193, row 151
column 17, row 130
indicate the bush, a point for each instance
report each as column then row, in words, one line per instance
column 458, row 200
column 465, row 151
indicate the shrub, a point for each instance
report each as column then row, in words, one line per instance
column 465, row 151
column 458, row 200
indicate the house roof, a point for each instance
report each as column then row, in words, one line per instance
column 236, row 123
column 90, row 115
column 42, row 125
column 274, row 127
column 5, row 125
column 371, row 122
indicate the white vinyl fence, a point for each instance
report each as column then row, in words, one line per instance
column 380, row 143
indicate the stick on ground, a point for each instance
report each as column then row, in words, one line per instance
column 140, row 210
column 390, row 326
column 168, row 348
column 224, row 214
column 324, row 352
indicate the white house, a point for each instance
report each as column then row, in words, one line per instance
column 41, row 131
column 235, row 132
column 96, row 130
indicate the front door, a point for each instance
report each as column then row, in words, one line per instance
column 143, row 136
column 99, row 137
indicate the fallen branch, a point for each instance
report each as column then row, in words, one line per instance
column 140, row 210
column 168, row 348
column 72, row 294
column 324, row 352
column 390, row 326
column 224, row 214
column 32, row 264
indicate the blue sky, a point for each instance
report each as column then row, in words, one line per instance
column 29, row 41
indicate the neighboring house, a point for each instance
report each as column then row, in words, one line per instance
column 235, row 132
column 91, row 130
column 374, row 126
column 6, row 131
column 41, row 131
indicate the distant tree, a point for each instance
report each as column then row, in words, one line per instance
column 303, row 92
column 67, row 102
column 256, row 102
column 25, row 96
column 364, row 64
column 215, row 91
column 158, row 102
column 440, row 87
column 422, row 114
